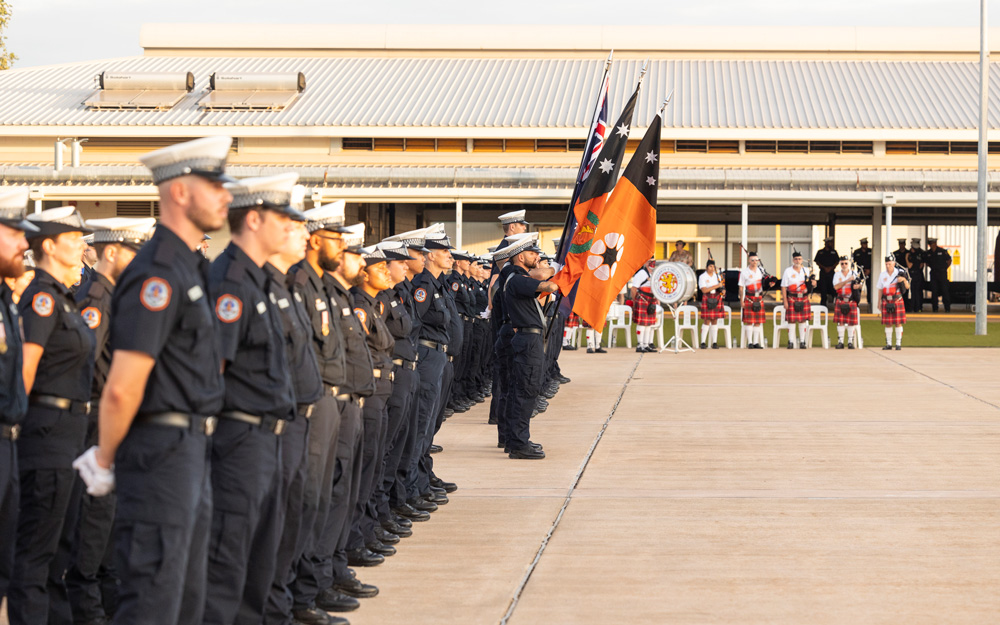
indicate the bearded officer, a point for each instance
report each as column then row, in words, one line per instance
column 116, row 241
column 13, row 399
column 58, row 366
column 324, row 253
column 163, row 391
column 528, row 324
column 307, row 385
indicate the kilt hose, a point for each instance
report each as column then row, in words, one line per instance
column 641, row 313
column 797, row 309
column 897, row 317
column 748, row 315
column 845, row 311
column 712, row 307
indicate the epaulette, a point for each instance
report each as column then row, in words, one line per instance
column 97, row 289
column 163, row 254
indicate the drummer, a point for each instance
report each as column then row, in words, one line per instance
column 795, row 294
column 712, row 289
column 891, row 284
column 644, row 305
column 845, row 309
column 752, row 314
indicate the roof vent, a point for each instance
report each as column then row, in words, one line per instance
column 150, row 91
column 259, row 92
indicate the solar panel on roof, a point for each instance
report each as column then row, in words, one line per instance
column 248, row 100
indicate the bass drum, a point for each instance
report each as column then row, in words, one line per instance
column 674, row 283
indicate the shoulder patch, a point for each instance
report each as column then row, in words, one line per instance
column 42, row 304
column 420, row 295
column 228, row 308
column 362, row 315
column 91, row 316
column 155, row 294
column 454, row 286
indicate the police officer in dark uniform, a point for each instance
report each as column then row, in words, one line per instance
column 58, row 354
column 163, row 391
column 939, row 260
column 258, row 402
column 915, row 264
column 862, row 257
column 827, row 260
column 88, row 533
column 528, row 325
column 434, row 313
column 900, row 253
column 323, row 254
column 398, row 305
column 13, row 399
column 307, row 385
column 371, row 312
column 513, row 224
column 458, row 286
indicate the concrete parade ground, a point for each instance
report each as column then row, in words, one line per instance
column 726, row 486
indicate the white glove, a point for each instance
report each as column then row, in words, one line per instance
column 486, row 313
column 99, row 481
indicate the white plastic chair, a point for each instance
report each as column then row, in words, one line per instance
column 780, row 324
column 817, row 323
column 619, row 318
column 687, row 319
column 859, row 340
column 659, row 327
column 726, row 326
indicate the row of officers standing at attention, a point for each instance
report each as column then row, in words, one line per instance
column 247, row 430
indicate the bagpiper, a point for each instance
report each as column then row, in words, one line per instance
column 644, row 306
column 845, row 309
column 795, row 293
column 712, row 304
column 752, row 314
column 891, row 284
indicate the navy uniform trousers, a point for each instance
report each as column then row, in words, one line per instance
column 527, row 375
column 400, row 433
column 346, row 487
column 10, row 496
column 162, row 526
column 375, row 417
column 321, row 462
column 431, row 366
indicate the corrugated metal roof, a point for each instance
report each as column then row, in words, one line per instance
column 532, row 93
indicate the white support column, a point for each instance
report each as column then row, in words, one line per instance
column 458, row 224
column 982, row 208
column 744, row 228
column 878, row 257
column 38, row 205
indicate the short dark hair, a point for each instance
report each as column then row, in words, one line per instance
column 35, row 245
column 237, row 218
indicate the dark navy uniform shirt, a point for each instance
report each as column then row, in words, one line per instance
column 456, row 325
column 251, row 337
column 431, row 307
column 938, row 260
column 303, row 366
column 51, row 319
column 13, row 401
column 827, row 258
column 93, row 298
column 863, row 258
column 499, row 314
column 328, row 338
column 160, row 307
column 520, row 300
column 399, row 320
column 360, row 379
column 371, row 313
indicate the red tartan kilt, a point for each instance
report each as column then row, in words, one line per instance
column 640, row 314
column 573, row 321
column 797, row 317
column 896, row 319
column 851, row 318
column 712, row 314
column 749, row 317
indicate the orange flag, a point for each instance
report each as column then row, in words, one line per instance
column 626, row 236
column 593, row 194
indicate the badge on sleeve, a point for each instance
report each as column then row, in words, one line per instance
column 155, row 294
column 454, row 286
column 42, row 304
column 228, row 308
column 420, row 295
column 362, row 315
column 91, row 316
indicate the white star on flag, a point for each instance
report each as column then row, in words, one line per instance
column 607, row 166
column 650, row 180
column 651, row 157
column 623, row 130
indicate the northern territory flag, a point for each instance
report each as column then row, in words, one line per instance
column 626, row 236
column 593, row 194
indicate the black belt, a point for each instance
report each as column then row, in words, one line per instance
column 406, row 364
column 346, row 397
column 61, row 403
column 10, row 432
column 383, row 376
column 179, row 420
column 528, row 330
column 433, row 345
column 305, row 410
column 271, row 424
